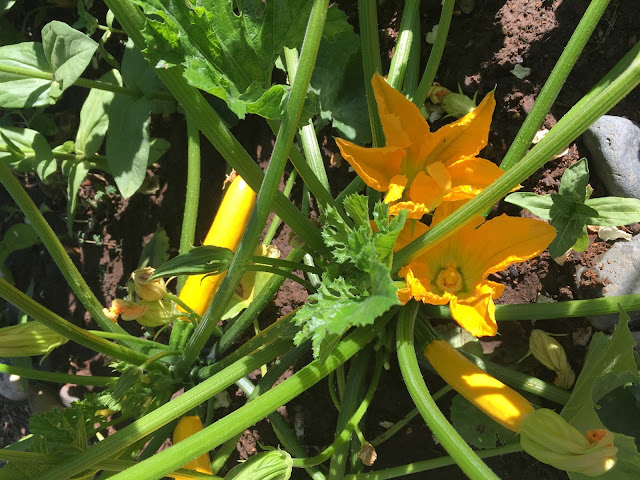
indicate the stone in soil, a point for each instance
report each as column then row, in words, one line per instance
column 11, row 388
column 619, row 270
column 614, row 143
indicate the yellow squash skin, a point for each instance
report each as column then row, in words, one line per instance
column 504, row 405
column 226, row 231
column 187, row 426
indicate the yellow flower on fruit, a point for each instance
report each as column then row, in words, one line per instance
column 455, row 270
column 420, row 169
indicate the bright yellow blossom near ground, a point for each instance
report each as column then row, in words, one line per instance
column 455, row 270
column 418, row 168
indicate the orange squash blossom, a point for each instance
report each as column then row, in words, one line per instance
column 420, row 169
column 455, row 270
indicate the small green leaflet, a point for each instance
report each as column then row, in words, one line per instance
column 571, row 209
column 357, row 288
column 227, row 48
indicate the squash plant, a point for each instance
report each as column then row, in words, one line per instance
column 372, row 269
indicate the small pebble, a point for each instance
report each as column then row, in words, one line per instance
column 618, row 268
column 614, row 143
column 11, row 388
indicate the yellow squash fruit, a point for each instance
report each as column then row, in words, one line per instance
column 503, row 404
column 187, row 426
column 226, row 231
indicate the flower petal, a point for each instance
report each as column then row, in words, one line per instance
column 469, row 177
column 503, row 240
column 476, row 313
column 396, row 188
column 462, row 138
column 402, row 123
column 414, row 210
column 426, row 190
column 376, row 166
column 411, row 230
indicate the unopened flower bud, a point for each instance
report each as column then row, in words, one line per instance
column 548, row 437
column 27, row 339
column 550, row 353
column 272, row 465
column 149, row 290
column 455, row 104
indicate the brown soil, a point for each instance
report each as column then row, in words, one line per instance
column 483, row 47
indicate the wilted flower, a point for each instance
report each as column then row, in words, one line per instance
column 126, row 309
column 149, row 290
column 550, row 353
column 148, row 314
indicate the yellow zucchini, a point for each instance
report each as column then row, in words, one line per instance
column 226, row 231
column 187, row 426
column 503, row 404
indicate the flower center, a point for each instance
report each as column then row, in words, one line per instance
column 449, row 279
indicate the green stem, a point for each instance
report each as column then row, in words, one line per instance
column 450, row 439
column 554, row 83
column 96, row 161
column 268, row 189
column 81, row 82
column 187, row 235
column 355, row 419
column 283, row 263
column 79, row 335
column 355, row 186
column 413, row 64
column 308, row 137
column 142, row 427
column 548, row 311
column 370, row 47
column 282, row 273
column 417, row 467
column 57, row 377
column 400, row 424
column 436, row 53
column 609, row 91
column 212, row 436
column 275, row 222
column 214, row 128
column 400, row 58
column 129, row 338
column 351, row 399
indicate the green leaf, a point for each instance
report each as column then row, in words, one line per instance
column 17, row 237
column 19, row 91
column 537, row 204
column 358, row 288
column 199, row 260
column 94, row 116
column 156, row 251
column 228, row 53
column 614, row 211
column 568, row 230
column 128, row 142
column 75, row 173
column 6, row 5
column 157, row 148
column 609, row 365
column 619, row 410
column 476, row 427
column 68, row 51
column 574, row 181
column 33, row 152
column 86, row 20
column 582, row 243
column 339, row 82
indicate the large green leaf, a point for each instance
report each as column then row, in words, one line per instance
column 227, row 48
column 94, row 116
column 338, row 80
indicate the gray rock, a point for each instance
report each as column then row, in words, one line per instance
column 614, row 143
column 619, row 269
column 11, row 387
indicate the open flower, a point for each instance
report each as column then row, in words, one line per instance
column 455, row 270
column 418, row 168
